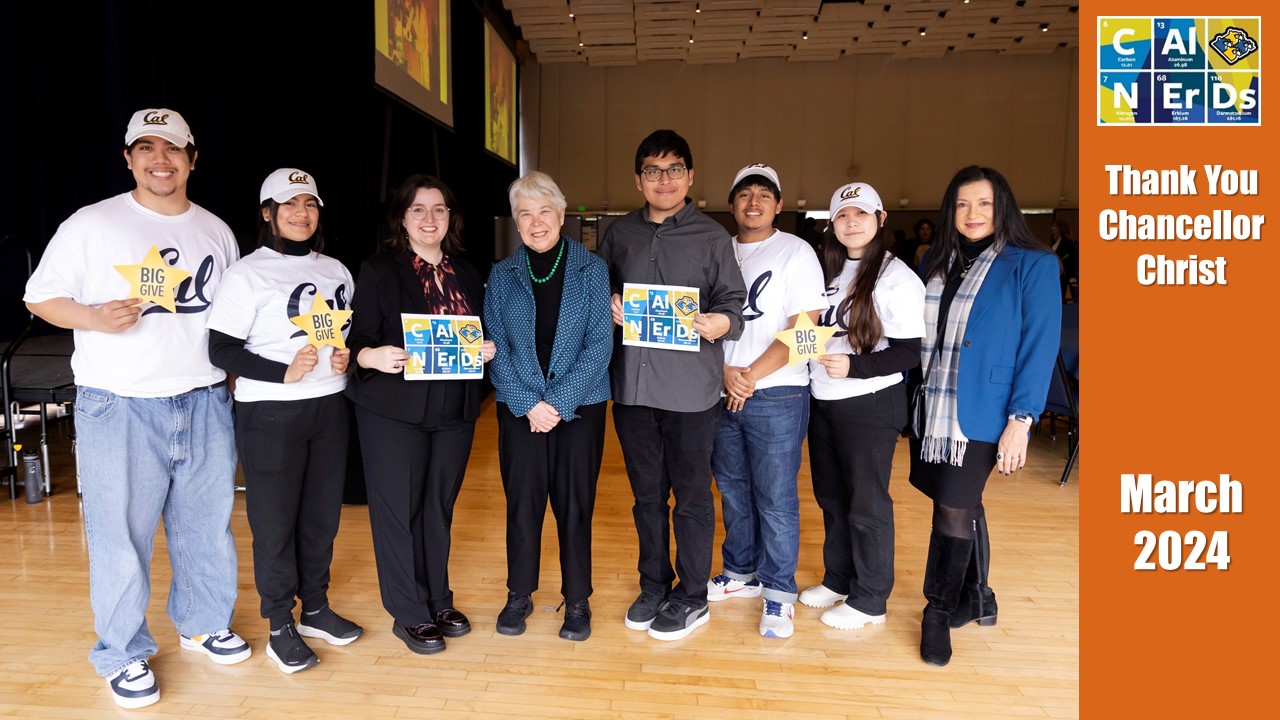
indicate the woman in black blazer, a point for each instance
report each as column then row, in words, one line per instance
column 415, row 436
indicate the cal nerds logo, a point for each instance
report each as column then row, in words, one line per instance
column 1233, row 45
column 1161, row 70
column 469, row 332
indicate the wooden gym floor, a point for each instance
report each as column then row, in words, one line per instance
column 1027, row 666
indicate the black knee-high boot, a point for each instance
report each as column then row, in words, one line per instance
column 977, row 599
column 943, row 580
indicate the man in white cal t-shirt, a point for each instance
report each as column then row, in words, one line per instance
column 153, row 416
column 757, row 450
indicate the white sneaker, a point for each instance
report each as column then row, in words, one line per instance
column 723, row 587
column 776, row 620
column 135, row 686
column 820, row 596
column 223, row 647
column 843, row 617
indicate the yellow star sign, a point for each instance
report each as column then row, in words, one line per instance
column 805, row 339
column 323, row 325
column 153, row 280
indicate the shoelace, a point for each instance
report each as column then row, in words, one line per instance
column 773, row 608
column 721, row 579
column 136, row 670
column 575, row 609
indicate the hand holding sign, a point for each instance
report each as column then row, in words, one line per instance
column 323, row 325
column 805, row 339
column 304, row 361
column 153, row 281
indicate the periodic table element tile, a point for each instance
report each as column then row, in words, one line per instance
column 1235, row 98
column 1124, row 98
column 1179, row 44
column 1235, row 44
column 660, row 316
column 1180, row 98
column 1124, row 43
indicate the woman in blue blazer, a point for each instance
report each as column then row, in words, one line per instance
column 993, row 313
column 547, row 311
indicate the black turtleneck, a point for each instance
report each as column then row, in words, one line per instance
column 969, row 252
column 546, row 297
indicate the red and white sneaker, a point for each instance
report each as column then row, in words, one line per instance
column 777, row 619
column 723, row 587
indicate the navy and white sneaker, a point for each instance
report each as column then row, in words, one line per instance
column 135, row 686
column 723, row 587
column 223, row 647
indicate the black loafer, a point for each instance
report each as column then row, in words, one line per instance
column 452, row 623
column 424, row 639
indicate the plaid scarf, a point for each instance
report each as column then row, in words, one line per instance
column 943, row 441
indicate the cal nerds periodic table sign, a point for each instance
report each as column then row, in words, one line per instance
column 659, row 316
column 1179, row 71
column 443, row 347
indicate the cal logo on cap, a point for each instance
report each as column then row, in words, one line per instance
column 852, row 192
column 155, row 118
column 298, row 178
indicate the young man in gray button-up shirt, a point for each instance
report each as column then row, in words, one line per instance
column 666, row 402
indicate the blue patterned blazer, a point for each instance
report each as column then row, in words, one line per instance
column 579, row 370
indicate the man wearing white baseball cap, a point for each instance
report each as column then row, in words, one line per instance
column 153, row 415
column 756, row 457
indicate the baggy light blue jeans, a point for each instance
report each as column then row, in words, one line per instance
column 143, row 459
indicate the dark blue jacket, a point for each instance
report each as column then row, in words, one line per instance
column 579, row 370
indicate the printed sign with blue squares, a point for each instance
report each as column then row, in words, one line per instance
column 1180, row 71
column 659, row 316
column 443, row 347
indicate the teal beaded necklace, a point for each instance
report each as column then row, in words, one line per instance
column 535, row 278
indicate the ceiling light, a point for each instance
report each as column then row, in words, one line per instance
column 805, row 36
column 921, row 32
column 1044, row 27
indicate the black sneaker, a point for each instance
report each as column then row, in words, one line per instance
column 135, row 686
column 329, row 626
column 511, row 619
column 577, row 620
column 452, row 623
column 424, row 638
column 644, row 609
column 289, row 651
column 677, row 619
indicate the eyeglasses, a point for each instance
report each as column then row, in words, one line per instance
column 654, row 174
column 440, row 212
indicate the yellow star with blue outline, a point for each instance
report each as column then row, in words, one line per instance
column 323, row 325
column 804, row 339
column 153, row 280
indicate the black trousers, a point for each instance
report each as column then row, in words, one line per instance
column 670, row 452
column 294, row 456
column 413, row 473
column 562, row 465
column 851, row 445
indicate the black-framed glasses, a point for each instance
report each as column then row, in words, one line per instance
column 440, row 212
column 654, row 174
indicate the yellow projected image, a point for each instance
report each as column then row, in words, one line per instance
column 407, row 33
column 500, row 98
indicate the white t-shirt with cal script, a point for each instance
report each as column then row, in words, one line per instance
column 783, row 278
column 165, row 353
column 899, row 302
column 256, row 300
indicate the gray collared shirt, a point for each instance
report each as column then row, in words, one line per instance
column 689, row 249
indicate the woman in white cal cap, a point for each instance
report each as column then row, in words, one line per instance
column 273, row 324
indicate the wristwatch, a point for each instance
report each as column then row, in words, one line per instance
column 1023, row 418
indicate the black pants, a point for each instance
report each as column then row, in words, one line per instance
column 294, row 456
column 563, row 465
column 670, row 452
column 413, row 473
column 851, row 445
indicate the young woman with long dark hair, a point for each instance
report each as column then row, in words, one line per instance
column 859, row 406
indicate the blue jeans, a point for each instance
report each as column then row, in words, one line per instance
column 142, row 459
column 755, row 461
